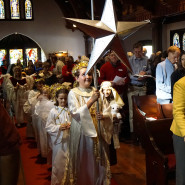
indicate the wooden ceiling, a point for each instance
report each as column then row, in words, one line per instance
column 126, row 10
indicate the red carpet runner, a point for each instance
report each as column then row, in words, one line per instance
column 35, row 174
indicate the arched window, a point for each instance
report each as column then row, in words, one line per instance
column 183, row 41
column 14, row 9
column 176, row 40
column 28, row 9
column 2, row 10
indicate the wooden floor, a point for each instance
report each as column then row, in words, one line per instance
column 130, row 169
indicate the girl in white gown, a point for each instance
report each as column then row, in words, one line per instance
column 57, row 126
column 29, row 106
column 87, row 165
column 42, row 109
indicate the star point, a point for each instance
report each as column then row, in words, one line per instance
column 107, row 32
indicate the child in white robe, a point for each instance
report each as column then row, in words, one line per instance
column 57, row 126
column 16, row 89
column 29, row 106
column 42, row 109
column 89, row 162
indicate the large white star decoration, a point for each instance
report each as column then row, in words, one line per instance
column 107, row 32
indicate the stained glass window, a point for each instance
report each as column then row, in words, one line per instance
column 28, row 9
column 183, row 41
column 15, row 54
column 14, row 7
column 2, row 55
column 31, row 54
column 176, row 40
column 2, row 10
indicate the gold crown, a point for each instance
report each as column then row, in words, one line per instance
column 57, row 86
column 46, row 87
column 80, row 65
column 39, row 80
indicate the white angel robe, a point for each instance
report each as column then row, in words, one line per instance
column 42, row 109
column 84, row 160
column 19, row 97
column 29, row 108
column 60, row 143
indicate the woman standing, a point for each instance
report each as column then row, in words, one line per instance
column 178, row 129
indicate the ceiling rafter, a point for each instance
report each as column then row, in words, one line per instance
column 126, row 10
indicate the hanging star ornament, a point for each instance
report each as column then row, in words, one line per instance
column 107, row 33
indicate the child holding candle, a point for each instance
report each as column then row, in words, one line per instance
column 57, row 126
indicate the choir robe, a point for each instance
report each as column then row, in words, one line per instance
column 85, row 166
column 60, row 143
column 19, row 97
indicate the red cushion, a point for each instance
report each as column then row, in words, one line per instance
column 171, row 161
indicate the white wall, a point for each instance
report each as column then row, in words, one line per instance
column 47, row 29
column 145, row 33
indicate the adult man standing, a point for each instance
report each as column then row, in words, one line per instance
column 66, row 70
column 163, row 75
column 114, row 68
column 137, row 85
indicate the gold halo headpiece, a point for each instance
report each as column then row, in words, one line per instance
column 80, row 65
column 39, row 80
column 57, row 86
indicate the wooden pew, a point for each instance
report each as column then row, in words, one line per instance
column 155, row 136
column 167, row 110
column 160, row 158
column 148, row 104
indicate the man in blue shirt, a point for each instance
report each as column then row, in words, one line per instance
column 140, row 67
column 163, row 75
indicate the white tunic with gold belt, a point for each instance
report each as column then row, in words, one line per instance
column 85, row 167
column 60, row 143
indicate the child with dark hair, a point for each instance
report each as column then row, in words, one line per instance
column 57, row 126
column 109, row 96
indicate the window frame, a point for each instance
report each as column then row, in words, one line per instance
column 4, row 10
column 180, row 32
column 21, row 11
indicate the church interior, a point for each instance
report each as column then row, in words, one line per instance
column 37, row 31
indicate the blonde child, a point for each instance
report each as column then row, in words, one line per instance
column 87, row 164
column 57, row 126
column 42, row 109
column 29, row 106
